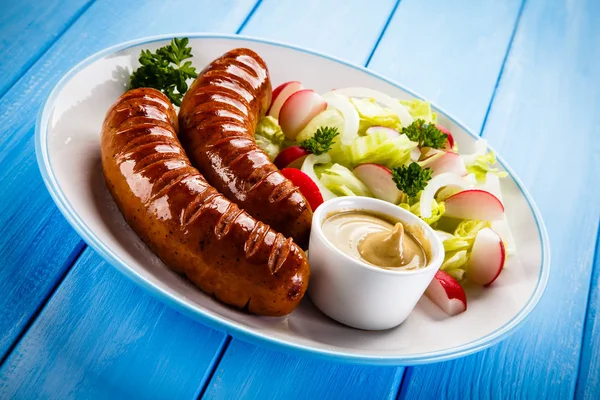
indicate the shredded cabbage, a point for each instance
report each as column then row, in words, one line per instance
column 269, row 136
column 375, row 148
column 342, row 182
column 437, row 211
column 372, row 114
column 458, row 247
column 419, row 109
column 482, row 165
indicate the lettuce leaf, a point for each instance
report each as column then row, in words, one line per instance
column 375, row 148
column 458, row 247
column 269, row 136
column 372, row 114
column 419, row 109
column 342, row 182
column 484, row 164
column 437, row 211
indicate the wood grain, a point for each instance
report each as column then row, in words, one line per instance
column 28, row 29
column 36, row 243
column 546, row 104
column 108, row 339
column 250, row 372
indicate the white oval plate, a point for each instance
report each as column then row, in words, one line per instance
column 68, row 152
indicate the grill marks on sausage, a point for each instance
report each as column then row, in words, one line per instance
column 197, row 206
column 279, row 252
column 226, row 221
column 256, row 237
column 282, row 191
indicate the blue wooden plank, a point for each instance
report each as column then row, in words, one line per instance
column 266, row 374
column 544, row 121
column 36, row 243
column 588, row 380
column 450, row 52
column 28, row 29
column 349, row 30
column 244, row 373
column 114, row 339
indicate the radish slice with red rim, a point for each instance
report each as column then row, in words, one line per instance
column 435, row 184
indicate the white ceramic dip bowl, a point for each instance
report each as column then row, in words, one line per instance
column 358, row 294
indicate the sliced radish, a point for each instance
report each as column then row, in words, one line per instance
column 308, row 167
column 378, row 179
column 487, row 257
column 391, row 133
column 380, row 98
column 474, row 204
column 289, row 156
column 502, row 228
column 349, row 113
column 298, row 110
column 309, row 189
column 450, row 141
column 448, row 162
column 447, row 294
column 281, row 94
column 435, row 184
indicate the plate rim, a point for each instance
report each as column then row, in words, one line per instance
column 236, row 329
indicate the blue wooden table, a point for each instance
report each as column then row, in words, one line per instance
column 525, row 74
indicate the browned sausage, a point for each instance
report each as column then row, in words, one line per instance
column 192, row 227
column 218, row 117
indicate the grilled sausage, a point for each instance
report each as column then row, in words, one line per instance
column 192, row 227
column 218, row 117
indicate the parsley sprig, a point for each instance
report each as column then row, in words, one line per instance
column 425, row 134
column 163, row 70
column 322, row 140
column 411, row 179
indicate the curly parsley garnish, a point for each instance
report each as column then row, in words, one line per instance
column 164, row 70
column 322, row 140
column 411, row 179
column 425, row 134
